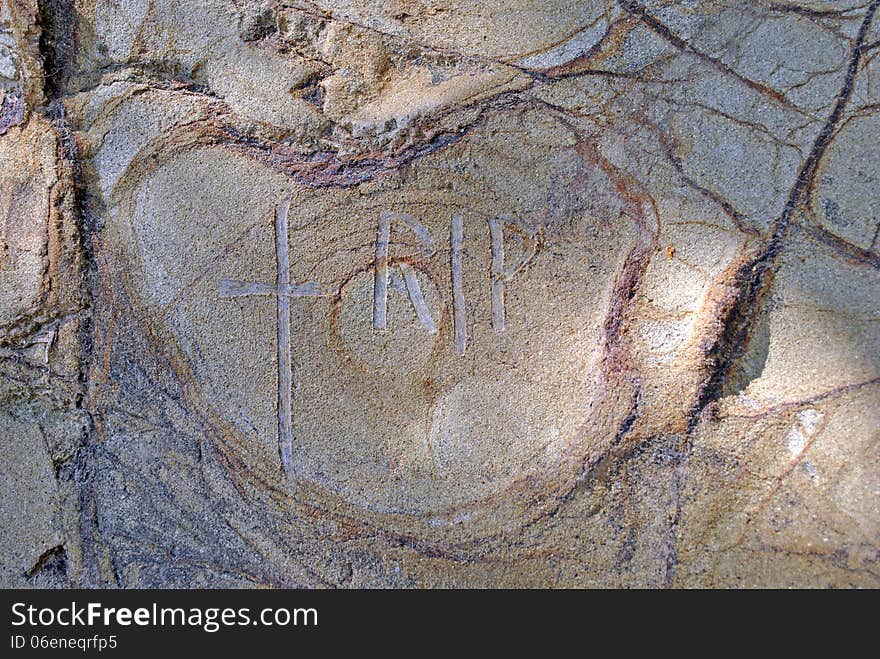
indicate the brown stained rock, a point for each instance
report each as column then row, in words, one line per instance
column 26, row 213
column 440, row 294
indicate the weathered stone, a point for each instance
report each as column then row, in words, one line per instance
column 448, row 293
column 31, row 527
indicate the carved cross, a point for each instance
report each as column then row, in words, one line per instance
column 283, row 290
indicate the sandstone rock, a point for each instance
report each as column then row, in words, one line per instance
column 440, row 294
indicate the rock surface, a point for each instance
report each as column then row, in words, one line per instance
column 446, row 293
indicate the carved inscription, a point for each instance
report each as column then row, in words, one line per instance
column 383, row 271
column 528, row 238
column 459, row 318
column 283, row 289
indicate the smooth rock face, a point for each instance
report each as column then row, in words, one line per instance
column 439, row 294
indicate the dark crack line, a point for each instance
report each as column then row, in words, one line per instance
column 679, row 475
column 753, row 276
column 329, row 170
column 845, row 249
column 781, row 408
column 754, row 281
column 808, row 170
column 786, row 8
column 55, row 551
column 670, row 151
column 56, row 45
column 638, row 11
